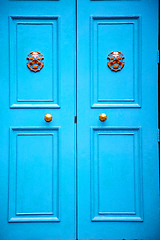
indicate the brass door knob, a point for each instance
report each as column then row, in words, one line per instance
column 48, row 117
column 102, row 117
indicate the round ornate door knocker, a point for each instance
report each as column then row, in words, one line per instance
column 116, row 62
column 35, row 61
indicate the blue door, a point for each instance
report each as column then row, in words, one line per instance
column 118, row 193
column 37, row 179
column 97, row 177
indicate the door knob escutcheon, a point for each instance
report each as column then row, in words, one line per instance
column 48, row 117
column 102, row 117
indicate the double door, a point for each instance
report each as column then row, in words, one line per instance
column 89, row 169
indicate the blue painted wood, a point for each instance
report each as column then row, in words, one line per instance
column 37, row 180
column 106, row 169
column 27, row 182
column 45, row 87
column 118, row 183
column 123, row 91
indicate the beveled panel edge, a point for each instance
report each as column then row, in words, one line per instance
column 35, row 17
column 116, row 128
column 115, row 105
column 117, row 219
column 114, row 0
column 23, row 106
column 123, row 17
column 36, row 128
column 33, row 0
column 35, row 219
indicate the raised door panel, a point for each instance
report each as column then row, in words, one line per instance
column 30, row 89
column 110, row 88
column 34, row 175
column 116, row 174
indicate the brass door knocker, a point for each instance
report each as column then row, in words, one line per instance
column 35, row 61
column 116, row 62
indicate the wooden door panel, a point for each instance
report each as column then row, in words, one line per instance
column 28, row 34
column 33, row 193
column 114, row 33
column 116, row 174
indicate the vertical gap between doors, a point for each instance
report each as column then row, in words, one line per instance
column 159, row 84
column 76, row 129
